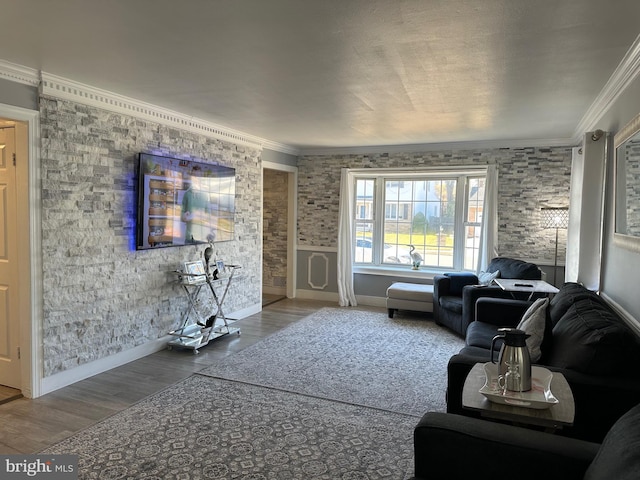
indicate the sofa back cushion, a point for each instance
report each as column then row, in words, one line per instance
column 512, row 268
column 569, row 294
column 458, row 280
column 590, row 338
column 619, row 454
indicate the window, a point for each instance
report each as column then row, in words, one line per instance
column 436, row 215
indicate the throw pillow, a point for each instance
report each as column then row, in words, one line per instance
column 487, row 278
column 533, row 323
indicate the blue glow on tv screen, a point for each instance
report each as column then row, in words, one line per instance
column 183, row 202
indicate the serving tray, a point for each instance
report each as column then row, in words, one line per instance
column 539, row 397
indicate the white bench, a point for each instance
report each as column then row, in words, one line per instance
column 417, row 297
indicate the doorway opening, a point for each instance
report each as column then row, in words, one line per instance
column 278, row 232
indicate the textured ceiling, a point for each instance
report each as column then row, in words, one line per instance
column 338, row 73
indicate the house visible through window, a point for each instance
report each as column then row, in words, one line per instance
column 438, row 215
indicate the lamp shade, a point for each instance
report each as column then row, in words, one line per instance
column 555, row 217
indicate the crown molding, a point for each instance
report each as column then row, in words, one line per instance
column 280, row 147
column 18, row 73
column 431, row 147
column 626, row 72
column 63, row 88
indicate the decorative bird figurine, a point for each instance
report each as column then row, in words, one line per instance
column 416, row 258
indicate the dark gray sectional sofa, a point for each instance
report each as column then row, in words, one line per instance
column 585, row 340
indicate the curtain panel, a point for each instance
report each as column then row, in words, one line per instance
column 346, row 293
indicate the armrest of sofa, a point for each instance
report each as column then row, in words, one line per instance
column 600, row 402
column 441, row 286
column 458, row 368
column 501, row 312
column 470, row 296
column 453, row 446
column 452, row 283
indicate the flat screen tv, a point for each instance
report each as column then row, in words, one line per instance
column 183, row 202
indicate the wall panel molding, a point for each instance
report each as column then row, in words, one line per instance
column 317, row 262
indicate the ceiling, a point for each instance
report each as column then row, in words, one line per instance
column 339, row 73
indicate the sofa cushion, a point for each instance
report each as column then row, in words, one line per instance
column 453, row 304
column 458, row 280
column 619, row 454
column 534, row 323
column 480, row 354
column 512, row 268
column 591, row 339
column 569, row 293
column 480, row 334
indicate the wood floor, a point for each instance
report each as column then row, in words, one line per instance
column 28, row 426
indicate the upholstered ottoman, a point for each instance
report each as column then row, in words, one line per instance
column 417, row 297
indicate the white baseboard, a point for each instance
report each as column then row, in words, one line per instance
column 68, row 377
column 317, row 295
column 371, row 301
column 245, row 312
column 274, row 290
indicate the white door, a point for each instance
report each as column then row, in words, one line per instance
column 9, row 323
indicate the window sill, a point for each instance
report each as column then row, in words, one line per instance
column 405, row 272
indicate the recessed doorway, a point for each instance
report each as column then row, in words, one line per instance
column 278, row 232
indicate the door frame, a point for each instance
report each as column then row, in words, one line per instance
column 292, row 215
column 30, row 309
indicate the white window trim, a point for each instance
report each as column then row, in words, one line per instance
column 438, row 172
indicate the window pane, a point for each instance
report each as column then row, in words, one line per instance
column 419, row 218
column 364, row 199
column 365, row 190
column 471, row 247
column 475, row 201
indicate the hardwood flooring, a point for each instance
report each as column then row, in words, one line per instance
column 30, row 425
column 7, row 394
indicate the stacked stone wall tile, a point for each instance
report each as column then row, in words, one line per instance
column 274, row 230
column 100, row 295
column 529, row 179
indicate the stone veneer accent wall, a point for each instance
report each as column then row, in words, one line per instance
column 529, row 179
column 274, row 230
column 100, row 295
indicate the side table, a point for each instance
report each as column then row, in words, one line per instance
column 553, row 418
column 525, row 286
column 195, row 333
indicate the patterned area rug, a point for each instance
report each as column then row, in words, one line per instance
column 353, row 356
column 207, row 428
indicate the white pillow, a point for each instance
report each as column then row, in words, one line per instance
column 533, row 323
column 487, row 278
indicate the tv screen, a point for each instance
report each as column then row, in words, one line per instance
column 183, row 202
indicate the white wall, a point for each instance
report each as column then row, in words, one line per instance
column 621, row 267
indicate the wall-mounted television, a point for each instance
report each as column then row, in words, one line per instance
column 183, row 202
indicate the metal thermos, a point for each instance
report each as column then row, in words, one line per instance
column 514, row 363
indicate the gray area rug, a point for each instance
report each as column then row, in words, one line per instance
column 207, row 428
column 334, row 396
column 353, row 356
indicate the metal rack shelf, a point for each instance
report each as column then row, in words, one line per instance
column 200, row 323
